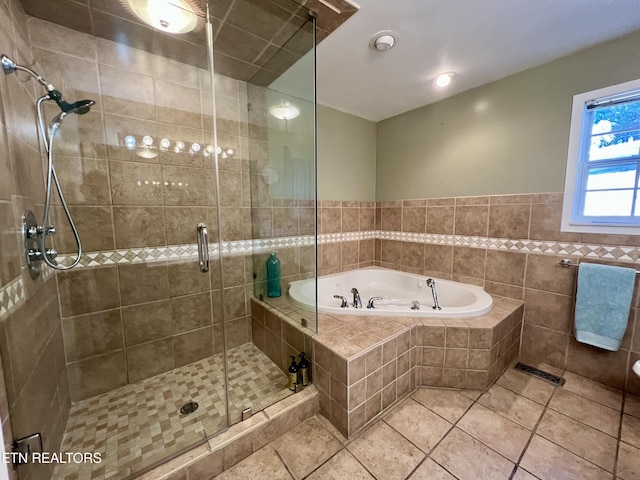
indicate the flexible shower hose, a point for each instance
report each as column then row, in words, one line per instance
column 52, row 177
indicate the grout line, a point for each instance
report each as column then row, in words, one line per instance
column 533, row 432
column 283, row 463
column 615, row 460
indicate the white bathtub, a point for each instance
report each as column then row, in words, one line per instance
column 398, row 289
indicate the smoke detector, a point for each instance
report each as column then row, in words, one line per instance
column 383, row 41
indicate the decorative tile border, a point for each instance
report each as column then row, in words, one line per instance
column 13, row 293
column 607, row 252
column 240, row 247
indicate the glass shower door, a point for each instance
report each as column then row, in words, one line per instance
column 129, row 361
column 282, row 143
column 266, row 194
column 126, row 355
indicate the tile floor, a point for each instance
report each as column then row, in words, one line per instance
column 522, row 428
column 139, row 424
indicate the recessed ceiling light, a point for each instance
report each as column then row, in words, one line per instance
column 383, row 41
column 285, row 111
column 171, row 16
column 444, row 79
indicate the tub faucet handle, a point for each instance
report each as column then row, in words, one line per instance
column 371, row 300
column 343, row 301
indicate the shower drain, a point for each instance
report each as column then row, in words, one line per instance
column 536, row 372
column 188, row 408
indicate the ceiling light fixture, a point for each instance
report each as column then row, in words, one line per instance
column 285, row 111
column 383, row 41
column 171, row 16
column 444, row 79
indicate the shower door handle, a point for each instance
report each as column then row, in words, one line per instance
column 202, row 236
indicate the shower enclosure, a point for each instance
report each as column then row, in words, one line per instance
column 140, row 352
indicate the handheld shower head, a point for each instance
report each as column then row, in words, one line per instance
column 80, row 108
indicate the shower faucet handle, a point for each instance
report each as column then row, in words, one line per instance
column 35, row 255
column 38, row 231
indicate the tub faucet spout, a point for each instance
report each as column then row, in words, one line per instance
column 431, row 283
column 357, row 303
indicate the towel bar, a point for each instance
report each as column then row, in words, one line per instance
column 565, row 262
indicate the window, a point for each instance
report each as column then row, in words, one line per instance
column 602, row 183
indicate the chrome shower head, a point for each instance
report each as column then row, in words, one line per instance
column 80, row 108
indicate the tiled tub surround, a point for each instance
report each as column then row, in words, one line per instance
column 362, row 365
column 511, row 245
column 276, row 329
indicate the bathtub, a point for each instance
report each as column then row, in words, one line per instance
column 398, row 289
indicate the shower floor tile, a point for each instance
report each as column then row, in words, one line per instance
column 139, row 424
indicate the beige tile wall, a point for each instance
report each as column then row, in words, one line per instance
column 128, row 322
column 124, row 323
column 546, row 288
column 34, row 390
column 345, row 217
column 278, row 336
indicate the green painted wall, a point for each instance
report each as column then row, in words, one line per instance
column 506, row 137
column 346, row 156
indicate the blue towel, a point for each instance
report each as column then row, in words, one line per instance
column 602, row 304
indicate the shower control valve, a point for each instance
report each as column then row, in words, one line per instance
column 51, row 253
column 31, row 231
column 38, row 231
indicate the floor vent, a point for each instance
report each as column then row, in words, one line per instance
column 536, row 372
column 188, row 408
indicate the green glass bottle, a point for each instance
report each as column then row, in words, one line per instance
column 273, row 276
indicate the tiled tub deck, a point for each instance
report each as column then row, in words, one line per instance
column 363, row 364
